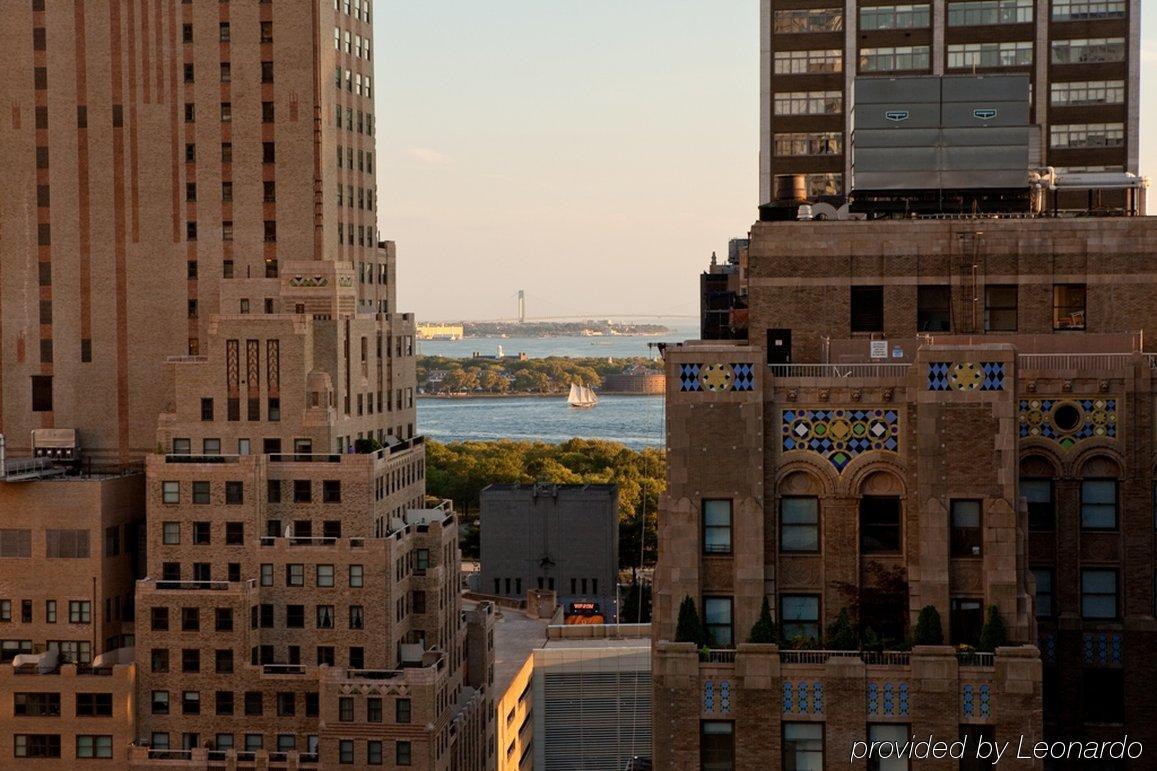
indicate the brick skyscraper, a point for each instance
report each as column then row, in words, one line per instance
column 192, row 283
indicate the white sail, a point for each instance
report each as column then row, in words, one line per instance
column 581, row 396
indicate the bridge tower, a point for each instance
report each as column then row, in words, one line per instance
column 520, row 308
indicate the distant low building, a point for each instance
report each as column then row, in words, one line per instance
column 570, row 697
column 440, row 332
column 636, row 380
column 563, row 538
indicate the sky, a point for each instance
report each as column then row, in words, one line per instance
column 592, row 153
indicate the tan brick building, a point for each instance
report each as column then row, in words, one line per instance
column 945, row 413
column 191, row 279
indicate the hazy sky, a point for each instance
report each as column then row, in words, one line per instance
column 593, row 153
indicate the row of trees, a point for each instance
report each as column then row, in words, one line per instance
column 460, row 470
column 537, row 376
column 841, row 634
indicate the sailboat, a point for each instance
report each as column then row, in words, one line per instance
column 581, row 397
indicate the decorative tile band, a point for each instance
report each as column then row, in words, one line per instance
column 976, row 700
column 965, row 376
column 717, row 377
column 841, row 435
column 803, row 698
column 1102, row 649
column 1068, row 421
column 717, row 696
column 888, row 699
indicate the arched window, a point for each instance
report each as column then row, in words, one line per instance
column 1036, row 484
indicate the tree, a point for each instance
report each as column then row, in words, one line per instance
column 689, row 628
column 841, row 635
column 929, row 630
column 764, row 629
column 993, row 634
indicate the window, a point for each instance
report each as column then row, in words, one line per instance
column 266, row 72
column 867, row 309
column 896, row 17
column 36, row 745
column 295, row 575
column 1089, row 50
column 934, row 309
column 94, row 705
column 966, row 534
column 234, row 493
column 325, row 617
column 345, row 709
column 374, row 753
column 1099, row 504
column 325, row 575
column 1084, row 135
column 190, row 660
column 717, row 621
column 799, row 529
column 966, row 617
column 894, row 735
column 1044, row 592
column 716, row 745
column 160, row 619
column 331, row 491
column 160, row 702
column 403, row 754
column 895, row 58
column 267, row 574
column 809, row 143
column 66, row 544
column 345, row 751
column 234, row 532
column 809, row 103
column 1066, row 10
column 223, row 661
column 302, row 492
column 402, row 711
column 1041, row 509
column 15, row 543
column 880, row 524
column 295, row 616
column 1087, row 92
column 1103, row 695
column 1099, row 593
column 42, row 393
column 50, row 611
column 971, row 14
column 1000, row 308
column 159, row 660
column 79, row 611
column 201, row 533
column 286, row 704
column 356, row 577
column 253, row 705
column 969, row 56
column 201, row 492
column 799, row 616
column 803, row 746
column 36, row 704
column 170, row 493
column 717, row 527
column 807, row 62
column 809, row 20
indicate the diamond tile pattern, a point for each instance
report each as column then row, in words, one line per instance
column 717, row 377
column 839, row 434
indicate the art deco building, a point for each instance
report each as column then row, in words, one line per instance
column 955, row 414
column 216, row 544
column 1083, row 59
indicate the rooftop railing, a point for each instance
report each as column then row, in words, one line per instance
column 1077, row 361
column 840, row 371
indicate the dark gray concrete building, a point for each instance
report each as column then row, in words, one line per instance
column 559, row 537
